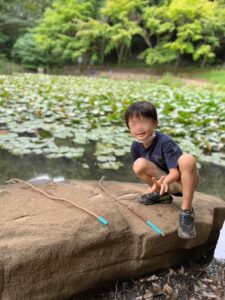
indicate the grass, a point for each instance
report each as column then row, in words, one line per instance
column 213, row 76
column 7, row 67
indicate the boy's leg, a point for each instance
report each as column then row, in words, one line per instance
column 189, row 179
column 145, row 170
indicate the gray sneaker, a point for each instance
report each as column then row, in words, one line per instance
column 186, row 228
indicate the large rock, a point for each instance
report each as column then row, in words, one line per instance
column 49, row 250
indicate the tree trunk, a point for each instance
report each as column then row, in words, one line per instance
column 147, row 38
column 120, row 54
column 127, row 52
column 102, row 52
column 157, row 40
column 203, row 61
column 177, row 61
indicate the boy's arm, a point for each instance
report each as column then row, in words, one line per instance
column 174, row 175
column 134, row 151
column 171, row 152
column 162, row 185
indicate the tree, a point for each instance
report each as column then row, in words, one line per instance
column 92, row 29
column 124, row 17
column 120, row 38
column 73, row 28
column 56, row 32
column 158, row 29
column 92, row 39
column 15, row 18
column 193, row 27
column 25, row 51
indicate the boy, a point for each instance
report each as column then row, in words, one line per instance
column 159, row 162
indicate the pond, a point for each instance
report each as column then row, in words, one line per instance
column 38, row 111
column 39, row 167
column 65, row 127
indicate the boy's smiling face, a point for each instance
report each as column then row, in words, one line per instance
column 141, row 128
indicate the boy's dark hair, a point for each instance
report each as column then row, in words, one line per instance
column 140, row 109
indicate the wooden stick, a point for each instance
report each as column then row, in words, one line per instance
column 149, row 223
column 101, row 219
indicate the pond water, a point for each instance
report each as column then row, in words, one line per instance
column 39, row 167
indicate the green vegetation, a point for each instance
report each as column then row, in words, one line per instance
column 16, row 17
column 213, row 75
column 56, row 32
column 37, row 111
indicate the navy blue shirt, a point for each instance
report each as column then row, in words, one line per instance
column 163, row 151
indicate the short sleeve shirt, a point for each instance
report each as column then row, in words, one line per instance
column 163, row 151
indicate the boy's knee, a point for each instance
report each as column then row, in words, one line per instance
column 187, row 161
column 140, row 165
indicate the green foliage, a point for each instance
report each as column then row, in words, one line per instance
column 73, row 29
column 2, row 59
column 92, row 29
column 56, row 33
column 92, row 38
column 15, row 18
column 193, row 27
column 121, row 35
column 26, row 52
column 158, row 55
column 120, row 10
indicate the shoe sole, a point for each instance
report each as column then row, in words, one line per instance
column 187, row 236
column 163, row 200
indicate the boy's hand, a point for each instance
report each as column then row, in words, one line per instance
column 159, row 186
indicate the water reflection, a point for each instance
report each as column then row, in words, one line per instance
column 39, row 167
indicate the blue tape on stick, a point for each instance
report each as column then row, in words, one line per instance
column 102, row 220
column 155, row 227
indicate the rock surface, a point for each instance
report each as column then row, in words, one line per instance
column 50, row 250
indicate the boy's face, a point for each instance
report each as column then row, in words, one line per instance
column 141, row 128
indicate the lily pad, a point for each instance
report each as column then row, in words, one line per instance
column 112, row 165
